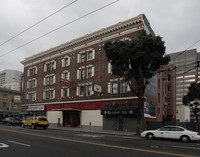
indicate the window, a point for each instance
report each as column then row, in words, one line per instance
column 124, row 88
column 29, row 84
column 4, row 104
column 65, row 92
column 164, row 129
column 49, row 94
column 52, row 94
column 52, row 81
column 53, row 65
column 80, row 91
column 32, row 71
column 66, row 62
column 82, row 74
column 89, row 72
column 46, row 81
column 31, row 96
column 86, row 55
column 82, row 57
column 49, row 79
column 32, row 83
column 89, row 90
column 50, row 66
column 113, row 87
column 65, row 75
column 90, row 55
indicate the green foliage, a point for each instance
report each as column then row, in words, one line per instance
column 137, row 59
column 193, row 93
column 191, row 97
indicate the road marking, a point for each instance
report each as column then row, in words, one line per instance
column 101, row 144
column 185, row 147
column 19, row 143
column 2, row 145
column 89, row 135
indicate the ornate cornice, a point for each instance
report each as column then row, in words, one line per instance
column 102, row 33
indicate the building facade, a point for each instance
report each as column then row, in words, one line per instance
column 10, row 79
column 187, row 72
column 10, row 103
column 74, row 82
column 167, row 93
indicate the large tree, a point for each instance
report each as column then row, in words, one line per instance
column 137, row 60
column 192, row 99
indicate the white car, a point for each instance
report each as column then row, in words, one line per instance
column 172, row 132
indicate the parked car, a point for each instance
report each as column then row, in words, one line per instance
column 11, row 121
column 36, row 122
column 172, row 132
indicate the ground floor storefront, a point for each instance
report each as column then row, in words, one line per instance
column 116, row 114
column 5, row 113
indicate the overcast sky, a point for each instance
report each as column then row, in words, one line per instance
column 177, row 21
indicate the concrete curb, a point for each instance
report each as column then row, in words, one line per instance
column 105, row 132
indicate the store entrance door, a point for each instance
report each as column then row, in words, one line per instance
column 121, row 123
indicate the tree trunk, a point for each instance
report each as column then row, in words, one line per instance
column 140, row 117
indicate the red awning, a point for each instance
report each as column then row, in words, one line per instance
column 66, row 109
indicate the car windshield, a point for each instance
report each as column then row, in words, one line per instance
column 42, row 119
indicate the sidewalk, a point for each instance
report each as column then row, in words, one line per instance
column 94, row 130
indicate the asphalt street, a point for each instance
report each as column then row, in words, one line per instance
column 23, row 142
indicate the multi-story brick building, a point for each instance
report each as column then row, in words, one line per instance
column 167, row 93
column 74, row 81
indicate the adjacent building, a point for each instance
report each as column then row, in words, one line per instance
column 10, row 79
column 167, row 93
column 74, row 82
column 10, row 103
column 187, row 71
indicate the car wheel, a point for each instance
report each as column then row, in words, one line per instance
column 150, row 136
column 33, row 126
column 23, row 126
column 44, row 127
column 184, row 139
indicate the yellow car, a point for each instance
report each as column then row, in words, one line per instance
column 36, row 122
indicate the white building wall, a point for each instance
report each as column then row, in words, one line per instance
column 53, row 116
column 182, row 113
column 10, row 79
column 92, row 116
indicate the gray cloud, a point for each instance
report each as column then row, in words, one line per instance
column 177, row 21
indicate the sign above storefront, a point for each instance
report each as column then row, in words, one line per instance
column 116, row 112
column 36, row 108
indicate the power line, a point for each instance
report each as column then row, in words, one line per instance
column 185, row 50
column 37, row 23
column 60, row 27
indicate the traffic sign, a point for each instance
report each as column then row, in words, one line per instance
column 25, row 99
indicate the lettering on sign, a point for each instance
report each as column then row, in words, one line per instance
column 36, row 108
